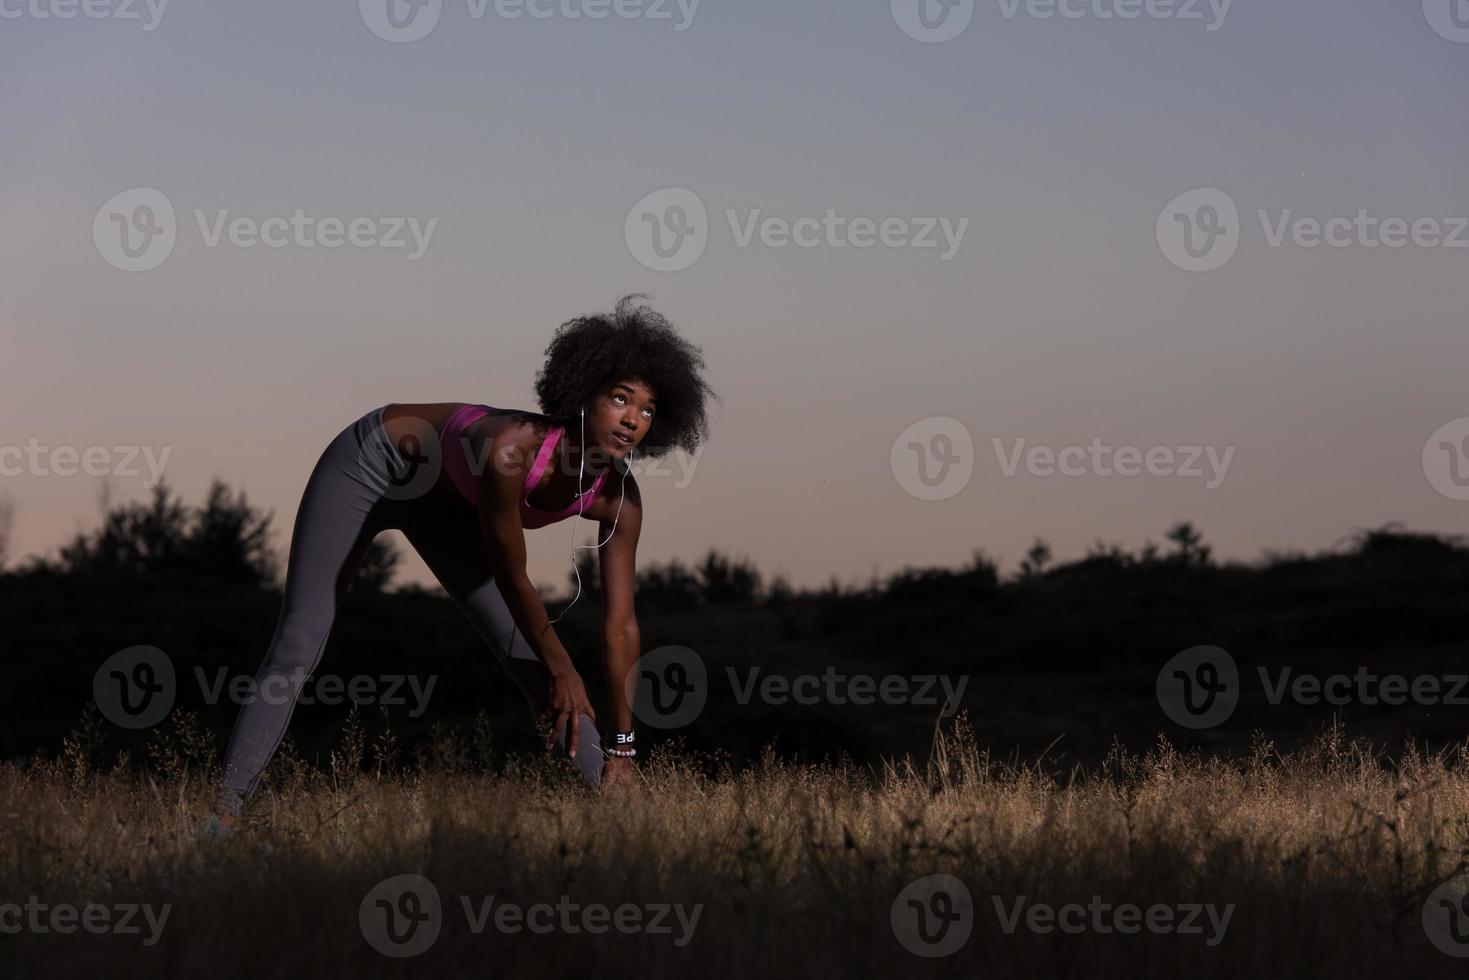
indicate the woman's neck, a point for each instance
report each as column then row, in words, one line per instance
column 568, row 454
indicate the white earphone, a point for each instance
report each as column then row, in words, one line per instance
column 579, row 491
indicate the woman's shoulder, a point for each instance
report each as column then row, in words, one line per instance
column 619, row 487
column 513, row 426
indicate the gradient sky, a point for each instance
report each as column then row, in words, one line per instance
column 1059, row 320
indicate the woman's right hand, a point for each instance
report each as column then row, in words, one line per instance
column 566, row 698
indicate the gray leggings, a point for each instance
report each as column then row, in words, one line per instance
column 356, row 490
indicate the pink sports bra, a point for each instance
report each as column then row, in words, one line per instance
column 456, row 463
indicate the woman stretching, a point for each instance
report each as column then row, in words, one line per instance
column 463, row 482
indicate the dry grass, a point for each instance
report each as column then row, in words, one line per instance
column 1327, row 855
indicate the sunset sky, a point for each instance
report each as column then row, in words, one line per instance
column 529, row 152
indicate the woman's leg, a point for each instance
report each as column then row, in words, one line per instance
column 342, row 510
column 452, row 545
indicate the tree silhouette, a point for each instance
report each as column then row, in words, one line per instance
column 669, row 587
column 7, row 522
column 1035, row 560
column 1189, row 541
column 223, row 540
column 379, row 565
column 728, row 580
column 134, row 538
column 229, row 541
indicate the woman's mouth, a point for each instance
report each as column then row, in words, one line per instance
column 620, row 439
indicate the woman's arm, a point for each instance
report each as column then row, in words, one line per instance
column 499, row 513
column 620, row 640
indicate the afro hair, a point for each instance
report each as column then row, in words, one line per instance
column 589, row 354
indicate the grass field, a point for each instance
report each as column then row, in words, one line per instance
column 1318, row 863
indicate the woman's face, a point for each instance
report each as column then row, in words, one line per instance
column 621, row 416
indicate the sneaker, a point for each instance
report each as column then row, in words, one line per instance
column 212, row 827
